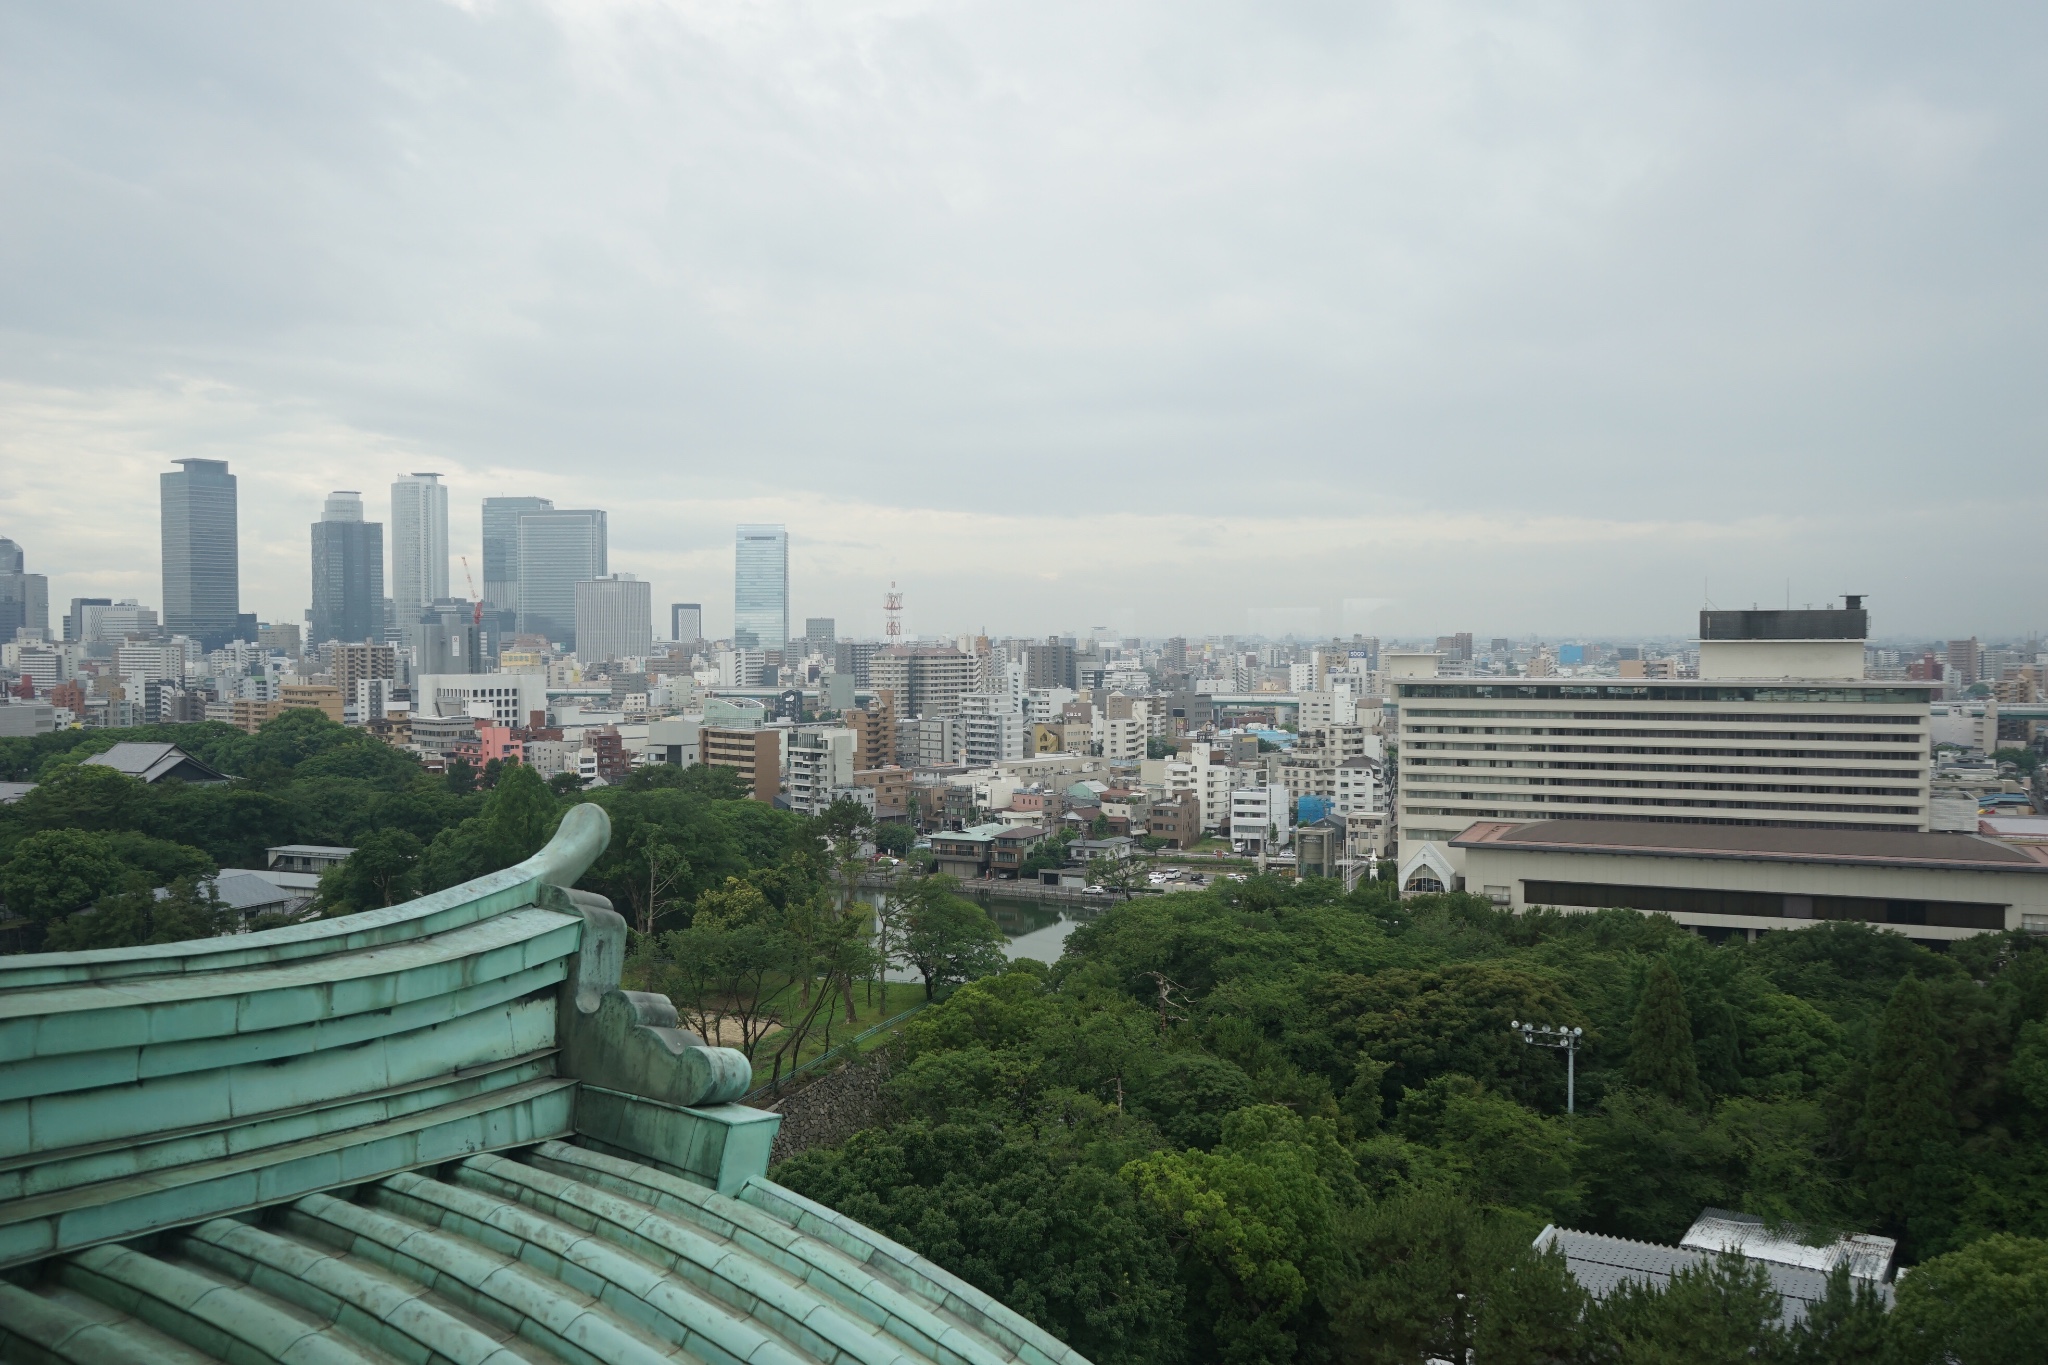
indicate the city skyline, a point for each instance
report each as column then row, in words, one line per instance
column 1313, row 334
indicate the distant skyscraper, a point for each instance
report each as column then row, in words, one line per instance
column 419, row 543
column 557, row 550
column 820, row 634
column 74, row 620
column 348, row 573
column 202, row 570
column 760, row 597
column 24, row 596
column 614, row 618
column 686, row 621
column 501, row 547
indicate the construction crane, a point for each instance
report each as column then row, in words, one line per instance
column 476, row 616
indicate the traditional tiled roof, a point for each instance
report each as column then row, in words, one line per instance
column 437, row 1132
column 154, row 762
column 553, row 1252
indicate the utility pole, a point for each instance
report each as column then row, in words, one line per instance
column 1566, row 1038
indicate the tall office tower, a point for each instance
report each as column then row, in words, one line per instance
column 419, row 543
column 760, row 588
column 557, row 550
column 24, row 596
column 501, row 547
column 820, row 634
column 686, row 621
column 348, row 573
column 614, row 618
column 202, row 570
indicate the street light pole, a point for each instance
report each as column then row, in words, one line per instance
column 1544, row 1035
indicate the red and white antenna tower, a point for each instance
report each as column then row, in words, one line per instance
column 892, row 616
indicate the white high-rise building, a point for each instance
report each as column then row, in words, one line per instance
column 1781, row 729
column 419, row 544
column 614, row 618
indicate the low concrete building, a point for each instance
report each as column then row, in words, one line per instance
column 1724, row 879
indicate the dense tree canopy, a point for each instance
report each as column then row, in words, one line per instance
column 1324, row 1125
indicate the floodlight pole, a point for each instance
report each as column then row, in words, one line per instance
column 1543, row 1035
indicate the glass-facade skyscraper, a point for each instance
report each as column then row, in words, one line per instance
column 558, row 549
column 202, row 565
column 501, row 547
column 348, row 574
column 419, row 543
column 760, row 590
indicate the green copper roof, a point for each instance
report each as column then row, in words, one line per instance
column 550, row 1253
column 437, row 1133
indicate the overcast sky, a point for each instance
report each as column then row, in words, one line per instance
column 1174, row 317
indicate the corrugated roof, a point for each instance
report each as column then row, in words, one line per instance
column 1868, row 1257
column 1766, row 843
column 1599, row 1263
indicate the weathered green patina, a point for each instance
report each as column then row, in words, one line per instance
column 438, row 1132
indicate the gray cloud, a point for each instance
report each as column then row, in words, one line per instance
column 1513, row 317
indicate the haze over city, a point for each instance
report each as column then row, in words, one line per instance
column 1400, row 318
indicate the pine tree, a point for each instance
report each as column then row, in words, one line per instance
column 1660, row 1056
column 1907, row 1137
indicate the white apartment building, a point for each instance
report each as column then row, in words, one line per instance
column 1780, row 729
column 1120, row 738
column 152, row 662
column 1210, row 781
column 1336, row 706
column 988, row 737
column 1261, row 819
column 820, row 767
column 1356, row 790
column 1045, row 705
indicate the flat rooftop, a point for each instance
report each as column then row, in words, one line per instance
column 1758, row 843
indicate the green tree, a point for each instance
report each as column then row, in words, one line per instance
column 1985, row 1304
column 382, row 871
column 1026, row 1216
column 1253, row 1223
column 54, row 872
column 2026, row 760
column 187, row 910
column 945, row 937
column 517, row 819
column 894, row 838
column 1432, row 1277
column 1660, row 1051
column 93, row 797
column 460, row 777
column 1848, row 1326
column 1905, row 1140
column 1722, row 1311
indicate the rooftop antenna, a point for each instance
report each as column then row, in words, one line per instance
column 892, row 615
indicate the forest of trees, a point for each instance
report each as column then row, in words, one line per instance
column 1273, row 1122
column 1269, row 1122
